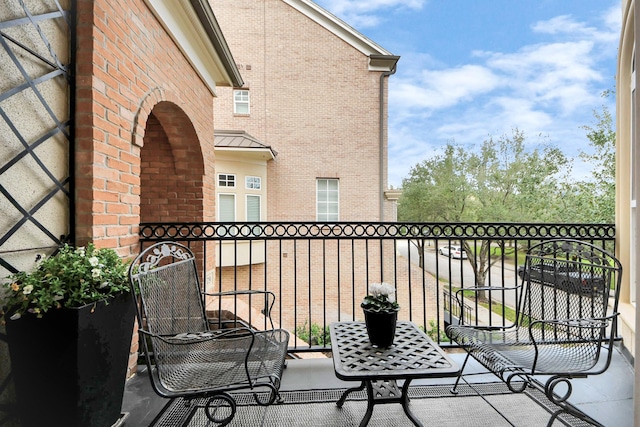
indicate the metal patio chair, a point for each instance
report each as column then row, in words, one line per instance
column 565, row 323
column 190, row 356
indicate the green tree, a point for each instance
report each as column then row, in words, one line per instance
column 501, row 182
column 437, row 189
column 597, row 195
column 513, row 184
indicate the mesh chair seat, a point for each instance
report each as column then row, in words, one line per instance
column 512, row 351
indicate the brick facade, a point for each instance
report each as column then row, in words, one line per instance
column 137, row 97
column 144, row 129
column 314, row 100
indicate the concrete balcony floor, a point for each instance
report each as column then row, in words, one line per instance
column 608, row 397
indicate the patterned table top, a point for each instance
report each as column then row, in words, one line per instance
column 412, row 355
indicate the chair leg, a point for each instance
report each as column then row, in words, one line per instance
column 454, row 390
column 220, row 409
column 561, row 401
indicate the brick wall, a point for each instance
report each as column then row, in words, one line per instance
column 312, row 99
column 127, row 69
column 144, row 129
column 315, row 102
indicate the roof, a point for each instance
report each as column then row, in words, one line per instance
column 194, row 29
column 238, row 140
column 380, row 59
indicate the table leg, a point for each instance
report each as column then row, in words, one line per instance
column 405, row 404
column 370, row 403
column 340, row 401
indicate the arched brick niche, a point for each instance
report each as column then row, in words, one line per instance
column 171, row 168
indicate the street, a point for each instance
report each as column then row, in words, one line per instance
column 461, row 272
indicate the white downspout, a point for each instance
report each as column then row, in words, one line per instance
column 381, row 137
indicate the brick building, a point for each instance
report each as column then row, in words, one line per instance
column 148, row 110
column 305, row 139
column 315, row 92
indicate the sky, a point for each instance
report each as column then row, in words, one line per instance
column 474, row 69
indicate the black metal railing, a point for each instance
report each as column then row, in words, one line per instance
column 320, row 271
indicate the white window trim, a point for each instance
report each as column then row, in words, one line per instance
column 246, row 182
column 236, row 103
column 318, row 203
column 235, row 180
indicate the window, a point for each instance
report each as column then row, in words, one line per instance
column 253, row 208
column 241, row 102
column 226, row 180
column 252, row 182
column 327, row 200
column 227, row 207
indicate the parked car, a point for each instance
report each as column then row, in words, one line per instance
column 567, row 276
column 453, row 252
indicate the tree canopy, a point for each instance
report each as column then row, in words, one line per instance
column 505, row 182
column 502, row 181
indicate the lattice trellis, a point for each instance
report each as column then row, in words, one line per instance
column 36, row 103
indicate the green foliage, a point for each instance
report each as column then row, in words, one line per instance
column 596, row 197
column 70, row 278
column 504, row 181
column 437, row 189
column 314, row 335
column 434, row 333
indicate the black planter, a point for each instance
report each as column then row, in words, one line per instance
column 381, row 327
column 69, row 367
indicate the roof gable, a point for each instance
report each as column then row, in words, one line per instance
column 380, row 59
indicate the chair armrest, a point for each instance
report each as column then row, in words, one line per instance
column 198, row 337
column 582, row 323
column 489, row 288
column 270, row 299
column 269, row 294
column 460, row 300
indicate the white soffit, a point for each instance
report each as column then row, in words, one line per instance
column 347, row 33
column 183, row 25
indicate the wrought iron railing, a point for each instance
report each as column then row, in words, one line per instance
column 320, row 271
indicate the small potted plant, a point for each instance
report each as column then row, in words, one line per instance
column 380, row 314
column 69, row 324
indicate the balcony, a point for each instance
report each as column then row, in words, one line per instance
column 608, row 398
column 320, row 272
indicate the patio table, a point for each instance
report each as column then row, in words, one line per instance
column 413, row 355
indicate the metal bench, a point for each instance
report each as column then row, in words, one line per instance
column 188, row 356
column 566, row 311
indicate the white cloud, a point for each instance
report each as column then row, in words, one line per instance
column 556, row 75
column 566, row 26
column 366, row 13
column 435, row 89
column 563, row 24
